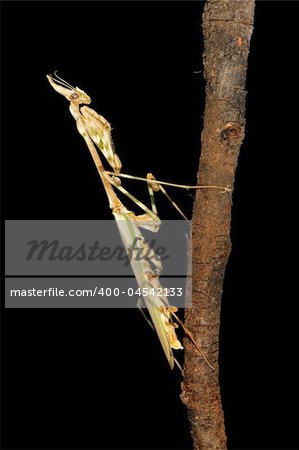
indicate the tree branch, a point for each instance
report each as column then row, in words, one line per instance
column 227, row 27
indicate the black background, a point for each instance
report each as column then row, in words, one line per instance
column 98, row 378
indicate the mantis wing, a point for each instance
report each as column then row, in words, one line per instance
column 146, row 278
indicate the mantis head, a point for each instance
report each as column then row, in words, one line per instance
column 72, row 94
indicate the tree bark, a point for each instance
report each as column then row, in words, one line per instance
column 227, row 28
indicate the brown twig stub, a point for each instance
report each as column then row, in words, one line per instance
column 227, row 28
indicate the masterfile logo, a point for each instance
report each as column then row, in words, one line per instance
column 90, row 247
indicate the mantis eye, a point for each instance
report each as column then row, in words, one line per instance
column 74, row 96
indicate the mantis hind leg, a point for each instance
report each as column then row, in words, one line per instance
column 155, row 187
